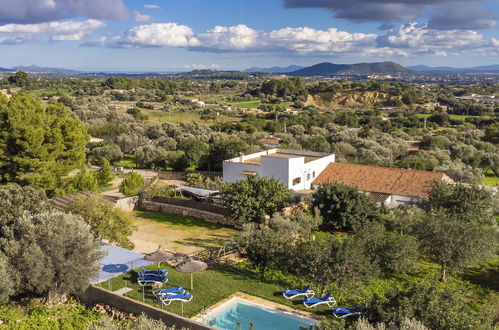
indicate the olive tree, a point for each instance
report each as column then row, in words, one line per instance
column 57, row 248
column 251, row 199
column 105, row 219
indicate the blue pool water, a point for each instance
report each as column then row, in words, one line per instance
column 262, row 319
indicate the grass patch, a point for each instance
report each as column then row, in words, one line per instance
column 178, row 221
column 453, row 117
column 210, row 287
column 219, row 282
column 486, row 276
column 490, row 179
column 158, row 116
column 127, row 161
column 33, row 315
column 247, row 104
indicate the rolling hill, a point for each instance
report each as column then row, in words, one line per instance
column 358, row 69
column 494, row 68
column 275, row 69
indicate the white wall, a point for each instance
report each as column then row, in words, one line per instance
column 284, row 170
column 396, row 200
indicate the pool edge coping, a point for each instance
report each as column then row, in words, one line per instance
column 260, row 301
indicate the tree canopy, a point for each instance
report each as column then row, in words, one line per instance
column 39, row 145
column 132, row 184
column 344, row 207
column 255, row 197
column 106, row 220
column 45, row 252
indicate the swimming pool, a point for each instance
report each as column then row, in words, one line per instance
column 243, row 312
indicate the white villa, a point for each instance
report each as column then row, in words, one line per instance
column 296, row 169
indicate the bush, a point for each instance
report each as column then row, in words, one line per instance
column 344, row 207
column 85, row 181
column 105, row 173
column 132, row 184
column 435, row 305
column 251, row 199
column 106, row 220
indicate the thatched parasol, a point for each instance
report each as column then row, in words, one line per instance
column 191, row 266
column 160, row 256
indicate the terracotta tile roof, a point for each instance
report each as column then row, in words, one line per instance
column 380, row 179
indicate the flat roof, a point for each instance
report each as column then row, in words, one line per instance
column 258, row 160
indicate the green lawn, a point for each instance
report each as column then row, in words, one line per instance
column 454, row 117
column 176, row 221
column 247, row 104
column 490, row 179
column 127, row 161
column 215, row 284
column 210, row 287
column 158, row 116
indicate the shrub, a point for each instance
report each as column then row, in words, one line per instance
column 344, row 207
column 132, row 184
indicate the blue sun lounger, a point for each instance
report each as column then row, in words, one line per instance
column 159, row 293
column 159, row 272
column 345, row 312
column 184, row 297
column 312, row 302
column 151, row 279
column 290, row 294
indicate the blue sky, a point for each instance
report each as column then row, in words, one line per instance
column 166, row 35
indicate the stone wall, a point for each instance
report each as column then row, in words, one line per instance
column 186, row 211
column 95, row 295
column 202, row 205
column 128, row 203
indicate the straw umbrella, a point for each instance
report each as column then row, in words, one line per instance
column 160, row 256
column 191, row 266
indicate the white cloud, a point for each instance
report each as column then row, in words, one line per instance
column 202, row 66
column 422, row 40
column 139, row 17
column 231, row 38
column 408, row 40
column 149, row 6
column 57, row 31
column 158, row 34
column 307, row 40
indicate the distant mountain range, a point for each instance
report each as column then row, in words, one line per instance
column 447, row 69
column 275, row 69
column 318, row 70
column 41, row 69
column 358, row 69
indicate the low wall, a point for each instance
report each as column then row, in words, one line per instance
column 187, row 211
column 198, row 205
column 168, row 175
column 128, row 203
column 95, row 295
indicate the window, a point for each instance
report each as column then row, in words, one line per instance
column 313, row 174
column 308, row 176
column 248, row 173
column 296, row 181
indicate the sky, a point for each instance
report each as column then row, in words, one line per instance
column 181, row 35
